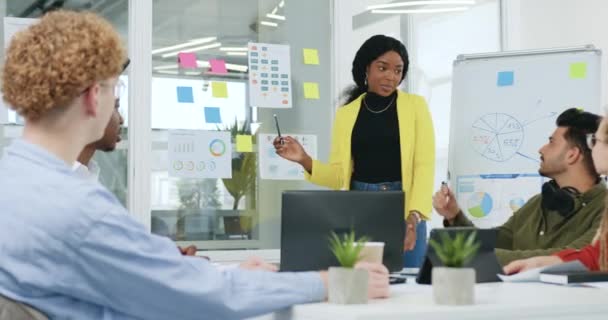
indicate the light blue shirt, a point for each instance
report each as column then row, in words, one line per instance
column 68, row 248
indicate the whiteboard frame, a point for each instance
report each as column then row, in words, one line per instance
column 516, row 53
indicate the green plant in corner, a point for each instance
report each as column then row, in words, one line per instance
column 347, row 249
column 243, row 166
column 456, row 252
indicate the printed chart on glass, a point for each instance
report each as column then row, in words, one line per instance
column 269, row 76
column 273, row 167
column 199, row 154
column 504, row 107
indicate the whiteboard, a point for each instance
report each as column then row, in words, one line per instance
column 504, row 107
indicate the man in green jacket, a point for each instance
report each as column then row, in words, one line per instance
column 566, row 214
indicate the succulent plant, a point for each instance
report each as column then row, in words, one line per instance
column 347, row 248
column 456, row 252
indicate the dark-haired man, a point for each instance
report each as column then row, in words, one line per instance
column 566, row 214
column 84, row 165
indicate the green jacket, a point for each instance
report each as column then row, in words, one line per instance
column 533, row 231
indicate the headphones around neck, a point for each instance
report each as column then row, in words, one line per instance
column 566, row 201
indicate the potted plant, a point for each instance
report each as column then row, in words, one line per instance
column 453, row 284
column 243, row 167
column 241, row 185
column 347, row 285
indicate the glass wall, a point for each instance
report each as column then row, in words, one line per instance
column 242, row 212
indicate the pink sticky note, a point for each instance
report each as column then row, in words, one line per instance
column 218, row 66
column 187, row 60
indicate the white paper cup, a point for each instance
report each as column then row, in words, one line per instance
column 372, row 252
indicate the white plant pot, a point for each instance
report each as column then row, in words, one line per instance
column 453, row 286
column 347, row 285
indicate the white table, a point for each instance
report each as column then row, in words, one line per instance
column 493, row 301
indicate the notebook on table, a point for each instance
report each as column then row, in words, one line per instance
column 573, row 277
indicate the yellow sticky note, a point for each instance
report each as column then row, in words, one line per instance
column 578, row 70
column 311, row 90
column 219, row 89
column 244, row 143
column 311, row 56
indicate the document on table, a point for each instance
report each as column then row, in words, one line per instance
column 599, row 285
column 533, row 275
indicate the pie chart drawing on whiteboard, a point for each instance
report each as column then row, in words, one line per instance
column 497, row 136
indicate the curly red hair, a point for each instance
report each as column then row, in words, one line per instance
column 50, row 63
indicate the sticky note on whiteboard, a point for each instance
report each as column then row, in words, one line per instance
column 578, row 70
column 505, row 78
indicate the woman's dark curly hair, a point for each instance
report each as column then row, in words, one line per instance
column 371, row 49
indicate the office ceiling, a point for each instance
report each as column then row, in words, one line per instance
column 233, row 22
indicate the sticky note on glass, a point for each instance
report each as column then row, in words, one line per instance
column 212, row 115
column 187, row 59
column 184, row 95
column 219, row 89
column 218, row 66
column 311, row 56
column 505, row 78
column 244, row 143
column 578, row 70
column 311, row 90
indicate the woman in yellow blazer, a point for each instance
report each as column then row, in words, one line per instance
column 382, row 139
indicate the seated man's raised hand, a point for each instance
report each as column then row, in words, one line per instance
column 445, row 203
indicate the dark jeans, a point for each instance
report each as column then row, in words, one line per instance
column 413, row 258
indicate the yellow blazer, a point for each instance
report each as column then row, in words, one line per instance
column 417, row 140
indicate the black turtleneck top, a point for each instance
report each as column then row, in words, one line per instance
column 375, row 144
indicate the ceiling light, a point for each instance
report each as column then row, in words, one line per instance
column 421, row 3
column 268, row 23
column 274, row 11
column 281, row 4
column 275, row 16
column 201, row 48
column 167, row 72
column 234, row 49
column 229, row 66
column 166, row 67
column 236, row 67
column 189, row 43
column 421, row 10
column 236, row 53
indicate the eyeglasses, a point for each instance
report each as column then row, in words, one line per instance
column 592, row 140
column 119, row 89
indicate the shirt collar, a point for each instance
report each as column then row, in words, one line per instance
column 25, row 150
column 89, row 172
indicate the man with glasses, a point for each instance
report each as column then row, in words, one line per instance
column 566, row 214
column 69, row 248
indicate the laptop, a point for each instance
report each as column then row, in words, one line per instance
column 485, row 263
column 308, row 218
